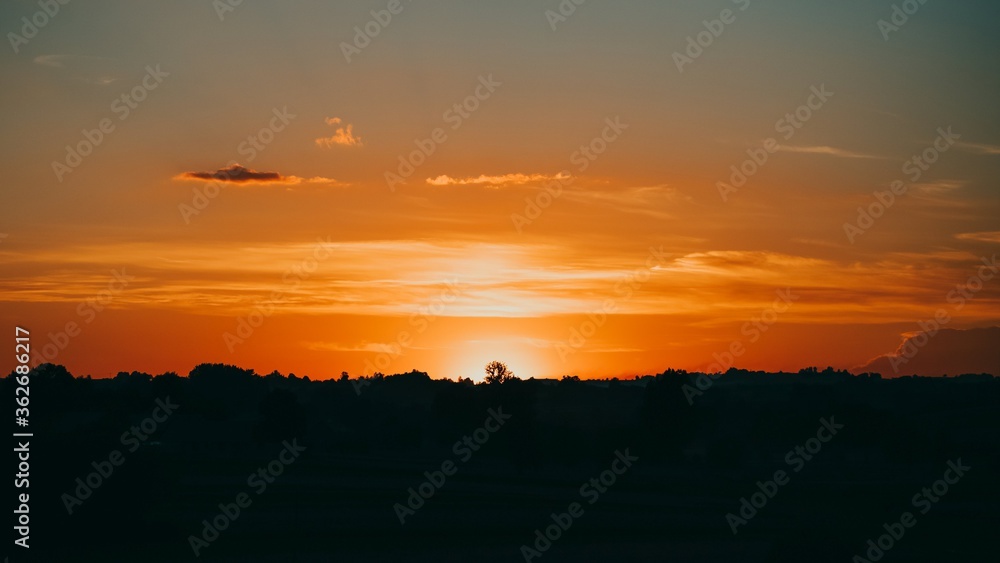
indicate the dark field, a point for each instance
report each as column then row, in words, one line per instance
column 366, row 446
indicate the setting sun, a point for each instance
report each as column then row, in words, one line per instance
column 522, row 358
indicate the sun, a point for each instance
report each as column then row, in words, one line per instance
column 523, row 359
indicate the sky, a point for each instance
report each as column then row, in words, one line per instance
column 604, row 189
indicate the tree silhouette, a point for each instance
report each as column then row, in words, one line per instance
column 498, row 372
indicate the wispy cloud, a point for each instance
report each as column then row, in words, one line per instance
column 343, row 136
column 987, row 236
column 515, row 340
column 394, row 277
column 237, row 174
column 95, row 70
column 374, row 347
column 653, row 201
column 980, row 148
column 940, row 187
column 817, row 242
column 828, row 151
column 495, row 181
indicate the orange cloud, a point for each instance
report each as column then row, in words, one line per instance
column 344, row 136
column 989, row 236
column 940, row 187
column 496, row 181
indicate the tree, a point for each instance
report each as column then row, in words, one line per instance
column 498, row 372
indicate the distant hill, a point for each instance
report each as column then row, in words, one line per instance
column 948, row 352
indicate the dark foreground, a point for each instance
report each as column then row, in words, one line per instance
column 323, row 471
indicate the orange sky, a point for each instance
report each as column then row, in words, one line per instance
column 566, row 217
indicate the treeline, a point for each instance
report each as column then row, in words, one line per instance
column 366, row 442
column 674, row 415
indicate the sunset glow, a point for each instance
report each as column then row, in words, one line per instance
column 578, row 206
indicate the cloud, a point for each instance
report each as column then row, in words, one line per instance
column 980, row 148
column 314, row 180
column 829, row 151
column 817, row 242
column 54, row 61
column 652, row 201
column 373, row 347
column 343, row 136
column 637, row 196
column 949, row 351
column 495, row 181
column 95, row 70
column 989, row 236
column 939, row 187
column 234, row 173
column 514, row 341
column 238, row 174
